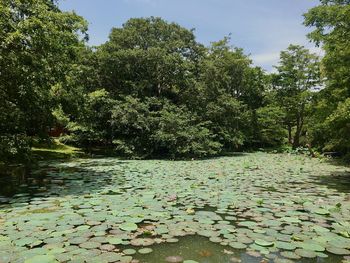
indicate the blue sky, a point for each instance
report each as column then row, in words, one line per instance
column 261, row 27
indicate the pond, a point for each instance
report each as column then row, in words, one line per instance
column 255, row 207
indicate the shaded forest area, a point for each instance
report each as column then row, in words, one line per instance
column 152, row 90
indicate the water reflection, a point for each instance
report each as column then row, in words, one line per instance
column 48, row 181
column 202, row 250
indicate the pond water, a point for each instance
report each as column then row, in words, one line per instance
column 249, row 208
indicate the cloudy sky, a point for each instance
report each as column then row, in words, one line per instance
column 261, row 27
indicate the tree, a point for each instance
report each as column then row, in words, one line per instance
column 338, row 128
column 231, row 91
column 298, row 74
column 331, row 23
column 39, row 43
column 149, row 57
column 270, row 128
column 180, row 132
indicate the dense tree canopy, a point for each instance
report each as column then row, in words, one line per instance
column 38, row 45
column 330, row 125
column 153, row 90
column 298, row 74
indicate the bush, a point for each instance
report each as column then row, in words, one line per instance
column 179, row 134
column 14, row 148
column 270, row 122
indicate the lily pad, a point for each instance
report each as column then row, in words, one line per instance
column 145, row 250
column 42, row 259
column 338, row 251
column 128, row 227
column 129, row 251
column 238, row 245
column 305, row 253
column 290, row 255
column 264, row 243
column 114, row 240
column 142, row 242
column 285, row 245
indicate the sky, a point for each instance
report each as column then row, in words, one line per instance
column 262, row 28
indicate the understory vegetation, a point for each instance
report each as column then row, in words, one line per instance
column 153, row 90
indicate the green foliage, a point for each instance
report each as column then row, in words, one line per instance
column 54, row 150
column 159, row 128
column 38, row 46
column 338, row 128
column 232, row 90
column 270, row 121
column 331, row 22
column 149, row 57
column 92, row 127
column 150, row 70
column 131, row 122
column 153, row 90
column 180, row 133
column 227, row 118
column 298, row 74
column 14, row 148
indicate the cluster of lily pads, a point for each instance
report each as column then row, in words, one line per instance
column 106, row 210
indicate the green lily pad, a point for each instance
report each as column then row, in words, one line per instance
column 305, row 253
column 291, row 219
column 237, row 245
column 128, row 227
column 311, row 246
column 90, row 245
column 290, row 255
column 338, row 251
column 42, row 259
column 321, row 211
column 27, row 241
column 247, row 223
column 285, row 245
column 114, row 240
column 145, row 250
column 264, row 243
column 129, row 251
column 142, row 242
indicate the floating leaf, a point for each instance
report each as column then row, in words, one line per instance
column 264, row 243
column 338, row 251
column 128, row 227
column 145, row 250
column 129, row 251
column 42, row 259
column 285, row 245
column 114, row 240
column 306, row 253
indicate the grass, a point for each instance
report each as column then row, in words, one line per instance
column 56, row 150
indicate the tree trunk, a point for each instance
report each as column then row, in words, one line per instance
column 296, row 140
column 290, row 140
column 300, row 124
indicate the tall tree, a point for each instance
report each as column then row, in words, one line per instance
column 149, row 57
column 38, row 45
column 331, row 23
column 298, row 74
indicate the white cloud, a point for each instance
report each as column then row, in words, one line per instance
column 317, row 50
column 269, row 59
column 266, row 58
